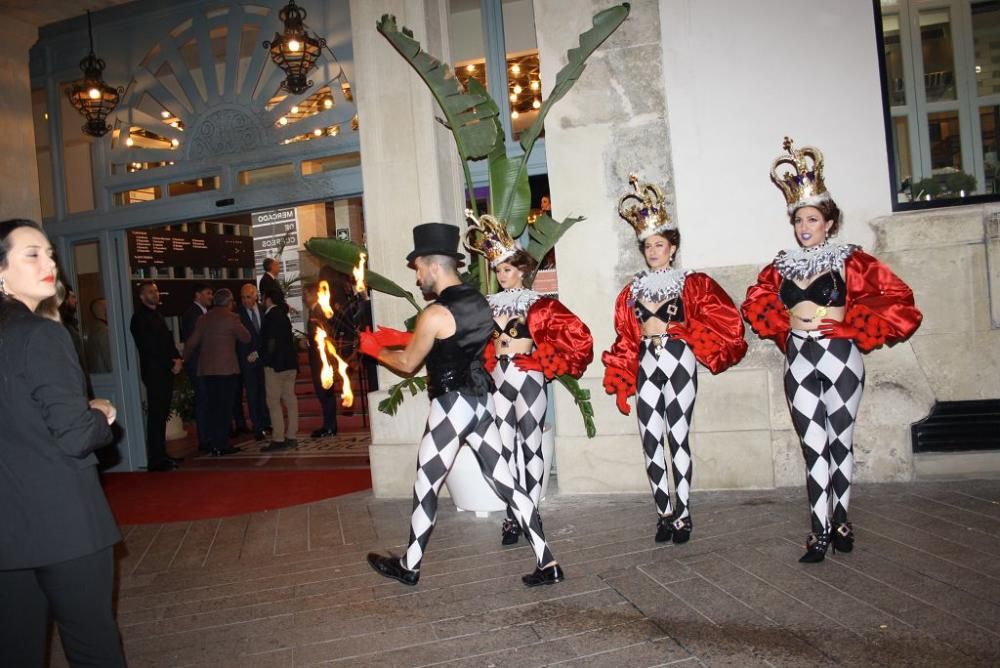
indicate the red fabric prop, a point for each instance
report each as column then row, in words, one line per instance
column 712, row 326
column 527, row 362
column 624, row 353
column 621, row 385
column 392, row 338
column 763, row 309
column 490, row 357
column 369, row 344
column 563, row 343
column 885, row 302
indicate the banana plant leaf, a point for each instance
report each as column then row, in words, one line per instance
column 543, row 235
column 343, row 256
column 391, row 403
column 510, row 191
column 582, row 398
column 471, row 116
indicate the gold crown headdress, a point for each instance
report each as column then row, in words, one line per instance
column 803, row 185
column 648, row 214
column 489, row 237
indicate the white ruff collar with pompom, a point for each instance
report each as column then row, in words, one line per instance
column 796, row 264
column 658, row 286
column 513, row 302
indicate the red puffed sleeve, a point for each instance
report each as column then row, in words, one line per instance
column 712, row 326
column 879, row 301
column 763, row 309
column 564, row 344
column 623, row 358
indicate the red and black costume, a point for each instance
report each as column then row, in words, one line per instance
column 702, row 324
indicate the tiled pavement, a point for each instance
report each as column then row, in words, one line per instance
column 291, row 588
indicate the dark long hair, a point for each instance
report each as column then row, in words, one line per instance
column 6, row 228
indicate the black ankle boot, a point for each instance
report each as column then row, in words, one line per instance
column 682, row 530
column 664, row 528
column 509, row 532
column 816, row 546
column 843, row 537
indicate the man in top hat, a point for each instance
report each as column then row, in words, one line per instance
column 451, row 335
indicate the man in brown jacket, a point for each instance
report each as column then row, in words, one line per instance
column 214, row 341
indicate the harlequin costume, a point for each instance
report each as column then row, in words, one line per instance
column 824, row 373
column 562, row 345
column 461, row 411
column 703, row 325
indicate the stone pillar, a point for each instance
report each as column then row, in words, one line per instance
column 613, row 121
column 412, row 175
column 18, row 172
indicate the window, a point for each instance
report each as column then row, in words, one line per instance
column 941, row 83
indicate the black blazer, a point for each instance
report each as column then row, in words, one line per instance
column 269, row 282
column 52, row 508
column 244, row 349
column 189, row 320
column 155, row 343
column 277, row 342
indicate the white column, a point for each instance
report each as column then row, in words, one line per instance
column 18, row 172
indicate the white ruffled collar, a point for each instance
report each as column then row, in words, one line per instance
column 512, row 302
column 658, row 286
column 797, row 264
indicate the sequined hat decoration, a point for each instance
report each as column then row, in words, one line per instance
column 803, row 185
column 489, row 237
column 645, row 209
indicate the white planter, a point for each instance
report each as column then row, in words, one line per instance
column 175, row 427
column 468, row 487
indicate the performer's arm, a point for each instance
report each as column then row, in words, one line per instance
column 432, row 321
column 713, row 330
column 763, row 310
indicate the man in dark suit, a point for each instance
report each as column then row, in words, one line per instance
column 189, row 319
column 269, row 281
column 251, row 364
column 159, row 362
column 281, row 364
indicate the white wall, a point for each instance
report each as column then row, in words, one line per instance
column 18, row 170
column 739, row 76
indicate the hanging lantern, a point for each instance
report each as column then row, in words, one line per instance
column 295, row 51
column 93, row 98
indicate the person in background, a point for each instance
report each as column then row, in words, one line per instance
column 68, row 314
column 317, row 320
column 98, row 344
column 213, row 344
column 281, row 365
column 251, row 364
column 269, row 281
column 202, row 301
column 159, row 362
column 56, row 530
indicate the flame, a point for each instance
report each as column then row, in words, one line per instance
column 323, row 296
column 359, row 275
column 325, row 345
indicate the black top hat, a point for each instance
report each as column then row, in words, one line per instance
column 435, row 239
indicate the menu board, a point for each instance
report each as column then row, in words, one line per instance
column 166, row 248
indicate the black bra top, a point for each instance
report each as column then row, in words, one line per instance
column 515, row 329
column 827, row 290
column 671, row 311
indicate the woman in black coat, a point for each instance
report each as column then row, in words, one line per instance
column 56, row 529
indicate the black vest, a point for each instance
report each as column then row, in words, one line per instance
column 456, row 363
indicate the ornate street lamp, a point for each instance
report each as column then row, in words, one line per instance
column 295, row 50
column 93, row 98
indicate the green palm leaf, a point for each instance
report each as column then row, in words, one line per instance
column 391, row 403
column 343, row 256
column 582, row 398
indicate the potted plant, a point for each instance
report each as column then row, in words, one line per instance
column 181, row 407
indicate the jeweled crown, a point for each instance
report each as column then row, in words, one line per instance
column 803, row 184
column 489, row 237
column 645, row 209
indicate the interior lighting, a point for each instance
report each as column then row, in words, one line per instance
column 514, row 114
column 470, row 68
column 328, row 103
column 513, row 97
column 93, row 98
column 294, row 109
column 165, row 114
column 295, row 50
column 318, row 132
column 517, row 89
column 175, row 143
column 515, row 69
column 282, row 121
column 533, row 85
column 129, row 141
column 536, row 104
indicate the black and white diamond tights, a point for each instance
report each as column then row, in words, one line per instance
column 824, row 380
column 455, row 418
column 667, row 387
column 521, row 402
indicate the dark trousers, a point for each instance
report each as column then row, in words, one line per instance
column 78, row 595
column 201, row 418
column 327, row 400
column 219, row 392
column 253, row 381
column 159, row 391
column 239, row 419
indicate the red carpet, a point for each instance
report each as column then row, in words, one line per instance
column 183, row 496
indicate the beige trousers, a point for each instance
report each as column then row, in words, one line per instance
column 280, row 388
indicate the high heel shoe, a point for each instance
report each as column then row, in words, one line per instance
column 843, row 537
column 664, row 528
column 682, row 530
column 509, row 532
column 816, row 546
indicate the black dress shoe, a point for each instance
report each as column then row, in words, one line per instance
column 664, row 528
column 322, row 433
column 682, row 530
column 392, row 567
column 544, row 576
column 509, row 532
column 161, row 467
column 221, row 452
column 260, row 435
column 276, row 446
column 175, row 461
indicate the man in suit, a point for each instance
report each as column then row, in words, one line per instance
column 202, row 301
column 251, row 364
column 281, row 364
column 269, row 281
column 159, row 362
